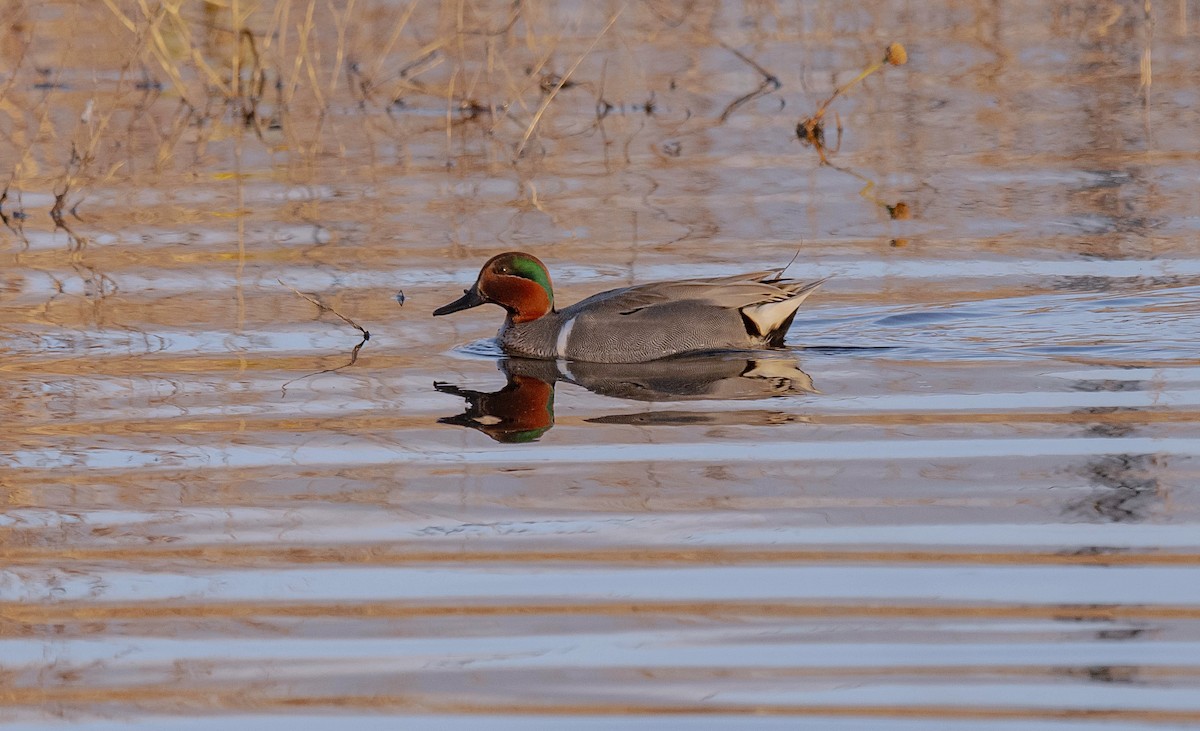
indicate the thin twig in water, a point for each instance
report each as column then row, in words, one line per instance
column 353, row 360
column 326, row 308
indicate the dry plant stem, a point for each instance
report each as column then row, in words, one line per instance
column 168, row 12
column 811, row 130
column 341, row 23
column 868, row 190
column 235, row 60
column 95, row 125
column 869, row 185
column 450, row 115
column 397, row 30
column 353, row 360
column 843, row 89
column 818, row 140
column 15, row 224
column 249, row 100
column 15, row 66
column 353, row 353
column 120, row 16
column 302, row 61
column 537, row 116
column 513, row 15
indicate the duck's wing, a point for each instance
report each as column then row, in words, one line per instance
column 733, row 293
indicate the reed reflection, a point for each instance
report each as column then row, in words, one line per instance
column 523, row 410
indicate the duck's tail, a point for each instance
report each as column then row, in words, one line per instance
column 771, row 320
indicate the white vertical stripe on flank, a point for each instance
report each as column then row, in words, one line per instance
column 560, row 346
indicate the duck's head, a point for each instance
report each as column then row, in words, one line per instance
column 517, row 282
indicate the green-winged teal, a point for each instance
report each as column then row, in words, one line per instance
column 634, row 324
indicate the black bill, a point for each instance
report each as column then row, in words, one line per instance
column 471, row 298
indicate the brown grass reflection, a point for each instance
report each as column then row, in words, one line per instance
column 164, row 698
column 404, row 554
column 84, row 613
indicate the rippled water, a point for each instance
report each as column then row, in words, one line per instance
column 965, row 497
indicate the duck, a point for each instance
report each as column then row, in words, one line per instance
column 638, row 324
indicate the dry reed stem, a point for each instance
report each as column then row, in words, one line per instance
column 533, row 123
column 326, row 308
column 306, row 54
column 120, row 16
column 811, row 129
column 341, row 23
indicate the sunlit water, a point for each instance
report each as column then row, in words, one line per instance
column 964, row 498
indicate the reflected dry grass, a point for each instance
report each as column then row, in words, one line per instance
column 198, row 96
column 249, row 555
column 206, row 85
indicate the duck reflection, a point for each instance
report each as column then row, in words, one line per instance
column 523, row 410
